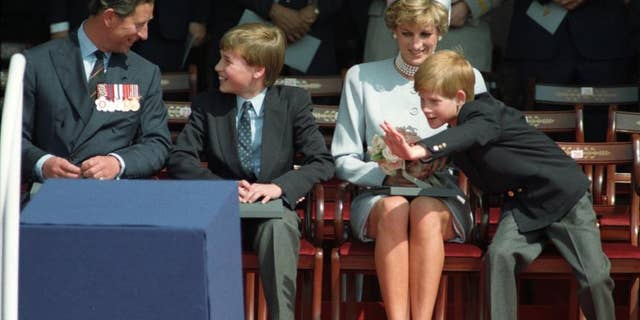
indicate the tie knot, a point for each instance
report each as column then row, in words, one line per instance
column 99, row 54
column 246, row 106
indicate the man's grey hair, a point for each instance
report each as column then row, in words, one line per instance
column 123, row 8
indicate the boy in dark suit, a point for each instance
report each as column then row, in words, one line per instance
column 547, row 194
column 250, row 130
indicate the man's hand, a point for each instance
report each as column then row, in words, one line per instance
column 399, row 146
column 459, row 14
column 198, row 31
column 56, row 167
column 250, row 193
column 290, row 21
column 101, row 167
column 570, row 4
column 308, row 14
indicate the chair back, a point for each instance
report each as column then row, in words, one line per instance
column 558, row 121
column 607, row 157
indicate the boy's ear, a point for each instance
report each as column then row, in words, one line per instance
column 461, row 96
column 259, row 72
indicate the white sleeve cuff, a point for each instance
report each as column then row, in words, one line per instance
column 59, row 27
column 121, row 164
column 39, row 164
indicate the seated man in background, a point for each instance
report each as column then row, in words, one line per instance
column 250, row 130
column 92, row 108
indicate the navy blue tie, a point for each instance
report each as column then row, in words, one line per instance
column 244, row 138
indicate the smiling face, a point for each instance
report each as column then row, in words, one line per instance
column 125, row 31
column 416, row 42
column 439, row 109
column 237, row 76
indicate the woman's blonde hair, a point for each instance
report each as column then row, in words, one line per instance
column 260, row 45
column 419, row 12
column 445, row 72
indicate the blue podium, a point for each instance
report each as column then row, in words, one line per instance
column 131, row 249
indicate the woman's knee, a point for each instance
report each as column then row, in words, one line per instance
column 430, row 216
column 389, row 215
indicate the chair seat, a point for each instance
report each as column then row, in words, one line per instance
column 617, row 220
column 459, row 250
column 621, row 251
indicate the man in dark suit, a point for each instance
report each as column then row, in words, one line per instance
column 92, row 108
column 173, row 23
column 592, row 46
column 251, row 130
column 546, row 194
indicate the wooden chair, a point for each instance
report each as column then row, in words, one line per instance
column 555, row 122
column 624, row 255
column 350, row 256
column 179, row 112
column 572, row 95
column 309, row 286
column 181, row 86
column 318, row 86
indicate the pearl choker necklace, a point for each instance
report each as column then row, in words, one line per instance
column 405, row 69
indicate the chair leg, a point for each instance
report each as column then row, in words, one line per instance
column 574, row 304
column 440, row 312
column 335, row 285
column 249, row 295
column 262, row 302
column 458, row 293
column 316, row 305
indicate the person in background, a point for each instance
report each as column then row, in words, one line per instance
column 74, row 123
column 250, row 130
column 547, row 197
column 591, row 46
column 409, row 232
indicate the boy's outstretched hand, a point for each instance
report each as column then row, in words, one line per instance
column 399, row 146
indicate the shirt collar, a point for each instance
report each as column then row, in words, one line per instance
column 256, row 101
column 87, row 48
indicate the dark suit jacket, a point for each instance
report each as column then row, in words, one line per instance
column 60, row 118
column 289, row 128
column 499, row 151
column 598, row 29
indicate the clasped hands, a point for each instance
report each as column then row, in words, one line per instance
column 294, row 23
column 98, row 167
column 252, row 192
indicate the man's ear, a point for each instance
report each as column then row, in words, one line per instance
column 109, row 16
column 461, row 96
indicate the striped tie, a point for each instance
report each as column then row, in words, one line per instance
column 97, row 74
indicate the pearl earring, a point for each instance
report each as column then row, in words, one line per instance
column 394, row 36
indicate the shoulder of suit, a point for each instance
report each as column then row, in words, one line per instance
column 138, row 60
column 284, row 91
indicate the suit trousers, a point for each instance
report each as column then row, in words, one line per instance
column 277, row 243
column 576, row 237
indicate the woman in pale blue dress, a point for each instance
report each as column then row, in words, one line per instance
column 409, row 233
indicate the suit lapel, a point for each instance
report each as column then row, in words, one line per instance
column 117, row 72
column 68, row 65
column 226, row 131
column 274, row 118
